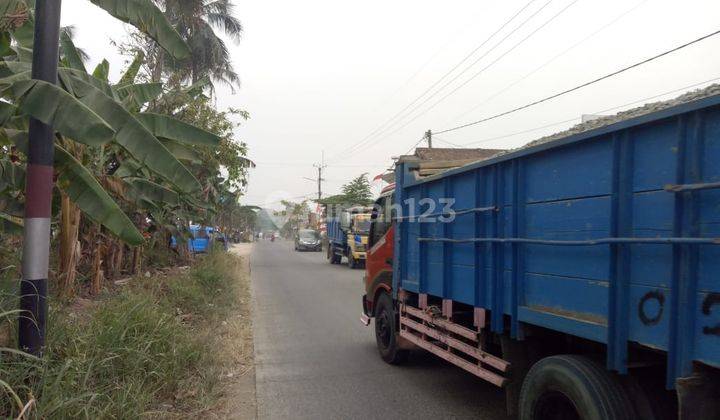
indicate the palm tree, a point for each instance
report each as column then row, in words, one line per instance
column 197, row 22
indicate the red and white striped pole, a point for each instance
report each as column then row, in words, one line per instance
column 38, row 188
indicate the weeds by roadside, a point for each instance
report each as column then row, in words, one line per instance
column 144, row 350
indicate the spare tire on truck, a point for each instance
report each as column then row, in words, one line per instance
column 570, row 387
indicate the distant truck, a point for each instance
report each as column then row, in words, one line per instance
column 581, row 275
column 347, row 235
column 200, row 239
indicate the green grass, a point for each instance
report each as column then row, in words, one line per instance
column 145, row 351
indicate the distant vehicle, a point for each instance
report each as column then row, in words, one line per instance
column 200, row 240
column 347, row 235
column 308, row 240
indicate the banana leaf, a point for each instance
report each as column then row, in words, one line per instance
column 132, row 71
column 135, row 138
column 6, row 45
column 167, row 127
column 11, row 176
column 198, row 87
column 145, row 16
column 10, row 224
column 65, row 73
column 192, row 201
column 137, row 95
column 152, row 192
column 8, row 81
column 7, row 111
column 55, row 107
column 182, row 152
column 22, row 70
column 25, row 34
column 128, row 168
column 70, row 52
column 87, row 193
column 102, row 71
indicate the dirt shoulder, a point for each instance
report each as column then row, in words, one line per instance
column 238, row 400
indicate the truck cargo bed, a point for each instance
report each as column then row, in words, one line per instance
column 610, row 235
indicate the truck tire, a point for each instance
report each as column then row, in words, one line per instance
column 571, row 387
column 352, row 262
column 332, row 256
column 386, row 332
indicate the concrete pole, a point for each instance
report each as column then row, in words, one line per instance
column 38, row 188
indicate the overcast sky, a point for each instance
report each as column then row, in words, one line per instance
column 322, row 75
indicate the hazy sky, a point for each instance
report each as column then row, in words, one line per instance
column 322, row 75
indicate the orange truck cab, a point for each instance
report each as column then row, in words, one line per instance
column 378, row 265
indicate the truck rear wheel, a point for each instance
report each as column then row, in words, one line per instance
column 570, row 387
column 331, row 256
column 386, row 331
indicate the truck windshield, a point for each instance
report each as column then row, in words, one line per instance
column 362, row 226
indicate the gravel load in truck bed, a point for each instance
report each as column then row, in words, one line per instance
column 603, row 121
column 648, row 108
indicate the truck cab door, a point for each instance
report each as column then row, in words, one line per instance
column 378, row 265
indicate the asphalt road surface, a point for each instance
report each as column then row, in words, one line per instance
column 315, row 360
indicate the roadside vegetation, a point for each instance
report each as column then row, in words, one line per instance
column 136, row 159
column 151, row 347
column 133, row 324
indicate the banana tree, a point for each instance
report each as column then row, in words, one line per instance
column 95, row 120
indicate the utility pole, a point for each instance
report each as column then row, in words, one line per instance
column 38, row 188
column 320, row 179
column 428, row 136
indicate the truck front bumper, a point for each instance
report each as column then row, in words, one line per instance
column 359, row 255
column 365, row 316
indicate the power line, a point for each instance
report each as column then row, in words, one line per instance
column 684, row 88
column 306, row 196
column 476, row 74
column 550, row 61
column 430, row 60
column 415, row 145
column 389, row 122
column 607, row 76
column 441, row 140
column 465, row 70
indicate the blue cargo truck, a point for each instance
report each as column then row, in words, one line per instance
column 347, row 235
column 337, row 240
column 582, row 275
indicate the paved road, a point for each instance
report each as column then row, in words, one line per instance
column 314, row 360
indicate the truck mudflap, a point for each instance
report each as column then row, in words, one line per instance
column 429, row 329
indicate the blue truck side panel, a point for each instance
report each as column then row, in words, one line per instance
column 334, row 233
column 608, row 184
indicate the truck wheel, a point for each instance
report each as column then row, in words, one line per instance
column 386, row 331
column 352, row 262
column 569, row 387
